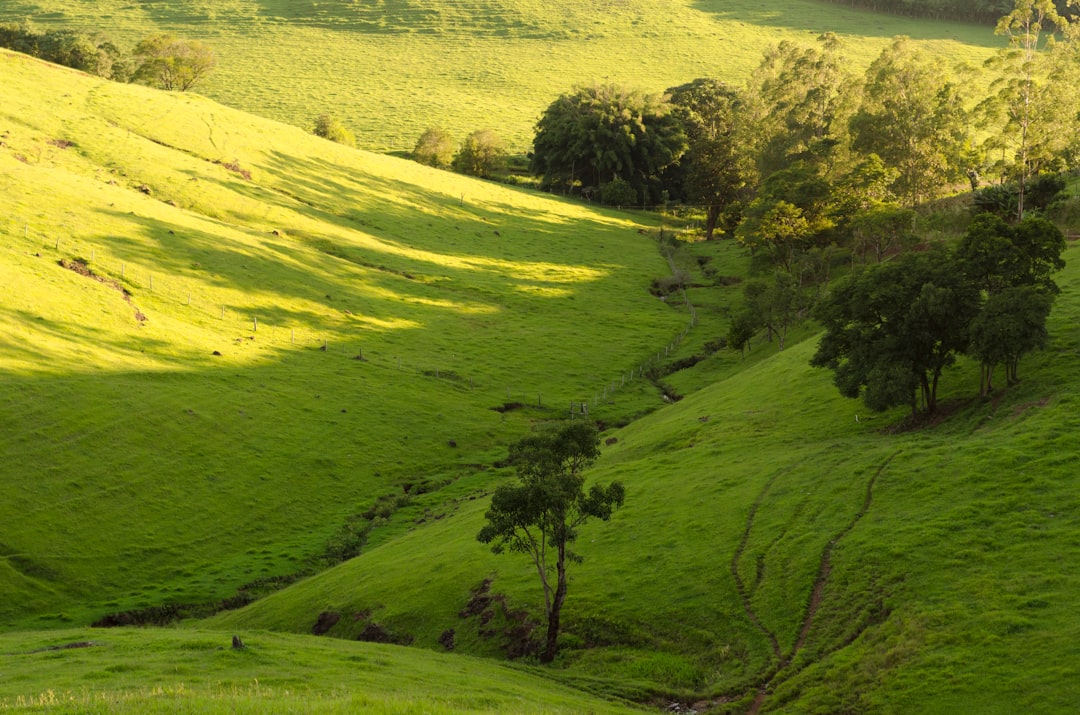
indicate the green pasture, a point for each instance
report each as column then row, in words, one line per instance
column 368, row 315
column 391, row 69
column 168, row 671
column 947, row 590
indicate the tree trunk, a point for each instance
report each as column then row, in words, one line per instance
column 712, row 215
column 556, row 609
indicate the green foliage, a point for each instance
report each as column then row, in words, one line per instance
column 541, row 515
column 435, row 148
column 1011, row 324
column 598, row 133
column 330, row 127
column 718, row 169
column 619, row 192
column 482, row 154
column 1030, row 95
column 803, row 96
column 93, row 54
column 912, row 117
column 892, row 329
column 167, row 62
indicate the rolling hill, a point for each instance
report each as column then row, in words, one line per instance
column 235, row 349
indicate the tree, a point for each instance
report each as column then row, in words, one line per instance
column 789, row 216
column 435, row 148
column 330, row 127
column 1032, row 94
column 801, row 98
column 481, row 154
column 540, row 516
column 169, row 63
column 882, row 230
column 995, row 255
column 891, row 329
column 601, row 132
column 717, row 169
column 1011, row 324
column 912, row 117
column 743, row 327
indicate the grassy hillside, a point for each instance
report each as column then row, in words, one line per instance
column 140, row 671
column 391, row 69
column 278, row 332
column 771, row 525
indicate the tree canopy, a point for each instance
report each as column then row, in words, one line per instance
column 601, row 132
column 170, row 63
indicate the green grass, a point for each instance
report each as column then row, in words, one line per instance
column 392, row 69
column 950, row 592
column 143, row 469
column 147, row 671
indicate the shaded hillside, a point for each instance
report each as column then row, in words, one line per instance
column 229, row 339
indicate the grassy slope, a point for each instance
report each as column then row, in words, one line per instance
column 139, row 671
column 950, row 593
column 392, row 69
column 142, row 469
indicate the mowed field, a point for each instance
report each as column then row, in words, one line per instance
column 391, row 69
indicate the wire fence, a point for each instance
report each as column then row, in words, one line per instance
column 96, row 262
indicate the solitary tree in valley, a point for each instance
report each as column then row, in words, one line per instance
column 541, row 514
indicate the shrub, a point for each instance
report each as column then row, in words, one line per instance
column 481, row 154
column 434, row 148
column 329, row 127
column 618, row 192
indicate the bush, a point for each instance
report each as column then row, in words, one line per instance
column 434, row 148
column 618, row 192
column 328, row 127
column 481, row 154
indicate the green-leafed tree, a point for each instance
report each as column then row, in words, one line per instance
column 435, row 147
column 882, row 231
column 891, row 329
column 541, row 514
column 481, row 154
column 718, row 170
column 330, row 127
column 743, row 327
column 170, row 63
column 1032, row 111
column 801, row 98
column 912, row 117
column 995, row 255
column 1011, row 324
column 597, row 133
column 790, row 215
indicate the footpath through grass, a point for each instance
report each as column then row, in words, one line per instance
column 392, row 69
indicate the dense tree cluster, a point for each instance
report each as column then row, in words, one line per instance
column 161, row 61
column 892, row 329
